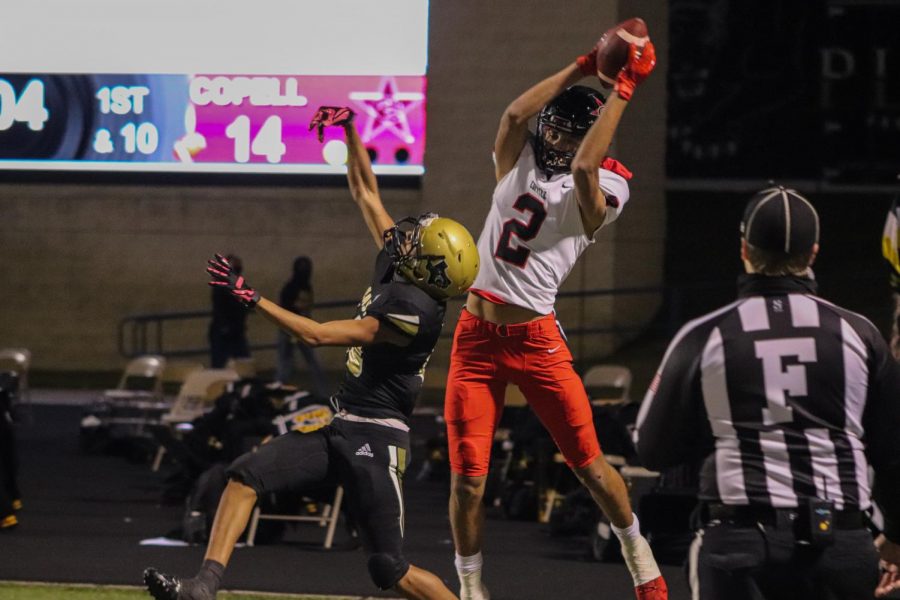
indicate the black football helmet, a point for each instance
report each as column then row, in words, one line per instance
column 562, row 125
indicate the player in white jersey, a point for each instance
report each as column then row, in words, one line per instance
column 534, row 231
column 549, row 204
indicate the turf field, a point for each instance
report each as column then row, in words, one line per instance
column 29, row 591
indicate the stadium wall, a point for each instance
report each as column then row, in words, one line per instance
column 77, row 257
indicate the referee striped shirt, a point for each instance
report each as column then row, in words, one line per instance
column 781, row 395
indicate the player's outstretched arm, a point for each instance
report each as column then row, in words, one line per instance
column 513, row 131
column 356, row 332
column 347, row 332
column 364, row 187
column 360, row 176
column 595, row 145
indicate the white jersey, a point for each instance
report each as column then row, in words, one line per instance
column 533, row 233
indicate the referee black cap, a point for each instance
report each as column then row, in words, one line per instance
column 779, row 219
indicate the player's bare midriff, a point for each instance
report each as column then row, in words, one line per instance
column 501, row 314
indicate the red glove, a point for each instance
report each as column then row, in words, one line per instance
column 587, row 63
column 327, row 116
column 639, row 65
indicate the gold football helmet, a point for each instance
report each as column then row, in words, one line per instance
column 437, row 254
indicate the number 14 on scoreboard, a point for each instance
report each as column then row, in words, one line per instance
column 267, row 141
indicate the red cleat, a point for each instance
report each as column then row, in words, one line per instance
column 652, row 590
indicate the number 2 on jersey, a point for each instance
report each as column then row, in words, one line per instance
column 518, row 255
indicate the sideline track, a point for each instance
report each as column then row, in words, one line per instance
column 39, row 590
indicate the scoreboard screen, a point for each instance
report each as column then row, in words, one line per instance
column 210, row 86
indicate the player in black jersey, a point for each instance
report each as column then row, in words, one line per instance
column 421, row 262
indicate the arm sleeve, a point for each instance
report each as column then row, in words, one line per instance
column 672, row 424
column 881, row 422
column 397, row 312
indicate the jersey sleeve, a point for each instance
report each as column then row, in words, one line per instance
column 672, row 427
column 614, row 188
column 398, row 312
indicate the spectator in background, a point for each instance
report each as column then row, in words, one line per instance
column 890, row 248
column 297, row 297
column 228, row 329
column 10, row 497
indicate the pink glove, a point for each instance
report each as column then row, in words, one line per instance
column 327, row 116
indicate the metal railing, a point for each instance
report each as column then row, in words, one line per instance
column 145, row 333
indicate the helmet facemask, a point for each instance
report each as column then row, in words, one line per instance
column 403, row 243
column 562, row 125
column 557, row 145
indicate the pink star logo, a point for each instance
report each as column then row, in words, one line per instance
column 387, row 109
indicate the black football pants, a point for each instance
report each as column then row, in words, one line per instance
column 737, row 562
column 367, row 459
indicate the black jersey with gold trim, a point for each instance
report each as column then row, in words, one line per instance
column 383, row 380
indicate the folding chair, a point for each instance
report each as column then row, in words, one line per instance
column 197, row 395
column 608, row 384
column 175, row 374
column 136, row 401
column 18, row 360
column 329, row 518
column 245, row 367
column 141, row 382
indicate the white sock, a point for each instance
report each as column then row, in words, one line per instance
column 629, row 534
column 468, row 564
column 637, row 553
column 469, row 570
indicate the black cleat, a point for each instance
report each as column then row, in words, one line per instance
column 169, row 587
column 160, row 585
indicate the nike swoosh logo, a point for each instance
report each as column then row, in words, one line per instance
column 554, row 349
column 568, row 185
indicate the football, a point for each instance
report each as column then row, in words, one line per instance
column 612, row 49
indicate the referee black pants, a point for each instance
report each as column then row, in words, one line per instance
column 762, row 562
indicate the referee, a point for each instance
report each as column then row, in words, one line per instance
column 786, row 400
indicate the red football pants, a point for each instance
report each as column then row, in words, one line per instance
column 534, row 356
